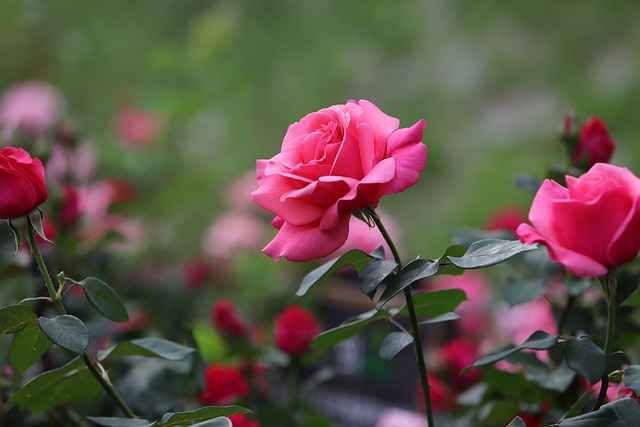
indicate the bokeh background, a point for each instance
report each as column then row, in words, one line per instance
column 492, row 80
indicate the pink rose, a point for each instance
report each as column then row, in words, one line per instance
column 332, row 162
column 395, row 417
column 517, row 323
column 294, row 330
column 231, row 232
column 137, row 127
column 594, row 146
column 32, row 107
column 590, row 226
column 22, row 183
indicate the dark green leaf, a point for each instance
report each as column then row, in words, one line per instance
column 622, row 412
column 14, row 318
column 485, row 253
column 148, row 347
column 447, row 317
column 576, row 408
column 517, row 422
column 518, row 290
column 632, row 378
column 27, row 347
column 539, row 340
column 171, row 419
column 393, row 344
column 66, row 331
column 410, row 273
column 35, row 218
column 586, row 358
column 70, row 382
column 347, row 329
column 557, row 380
column 104, row 299
column 436, row 303
column 120, row 422
column 217, row 422
column 373, row 273
column 446, row 266
column 354, row 257
column 632, row 300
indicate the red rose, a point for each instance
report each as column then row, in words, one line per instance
column 240, row 420
column 224, row 385
column 457, row 355
column 22, row 183
column 226, row 320
column 594, row 146
column 591, row 225
column 295, row 328
column 333, row 162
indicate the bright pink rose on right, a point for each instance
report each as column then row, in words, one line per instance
column 590, row 226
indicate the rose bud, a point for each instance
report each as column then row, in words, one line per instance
column 22, row 183
column 295, row 328
column 226, row 320
column 594, row 146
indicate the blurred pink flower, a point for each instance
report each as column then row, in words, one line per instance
column 395, row 417
column 367, row 239
column 474, row 311
column 238, row 193
column 519, row 322
column 506, row 218
column 33, row 107
column 232, row 231
column 77, row 164
column 456, row 355
column 136, row 128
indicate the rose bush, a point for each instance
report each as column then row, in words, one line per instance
column 333, row 162
column 591, row 225
column 22, row 183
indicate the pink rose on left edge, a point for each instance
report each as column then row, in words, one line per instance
column 590, row 226
column 332, row 162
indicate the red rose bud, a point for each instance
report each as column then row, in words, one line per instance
column 240, row 420
column 226, row 320
column 22, row 183
column 224, row 385
column 594, row 146
column 295, row 328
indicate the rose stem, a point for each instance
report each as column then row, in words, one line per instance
column 57, row 301
column 422, row 366
column 609, row 287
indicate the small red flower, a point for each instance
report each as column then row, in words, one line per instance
column 457, row 355
column 594, row 146
column 295, row 327
column 224, row 385
column 240, row 420
column 226, row 320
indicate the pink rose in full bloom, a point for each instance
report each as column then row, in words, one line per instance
column 590, row 226
column 32, row 107
column 22, row 183
column 294, row 330
column 224, row 385
column 332, row 162
column 594, row 146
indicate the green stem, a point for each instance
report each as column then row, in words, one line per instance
column 422, row 366
column 610, row 290
column 56, row 298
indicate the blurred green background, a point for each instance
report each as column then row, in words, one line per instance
column 493, row 81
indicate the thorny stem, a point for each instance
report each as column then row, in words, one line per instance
column 422, row 367
column 609, row 287
column 57, row 301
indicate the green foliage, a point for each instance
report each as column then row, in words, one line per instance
column 586, row 358
column 409, row 274
column 70, row 382
column 14, row 318
column 28, row 346
column 485, row 253
column 66, row 331
column 104, row 299
column 373, row 273
column 518, row 290
column 354, row 258
column 393, row 344
column 632, row 300
column 517, row 422
column 620, row 413
column 436, row 303
column 148, row 347
column 446, row 317
column 120, row 422
column 632, row 378
column 577, row 408
column 200, row 415
column 347, row 329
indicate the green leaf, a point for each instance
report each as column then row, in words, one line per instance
column 446, row 266
column 171, row 419
column 66, row 331
column 120, row 422
column 585, row 358
column 393, row 344
column 27, row 347
column 632, row 378
column 620, row 413
column 70, row 382
column 517, row 422
column 436, row 303
column 354, row 257
column 632, row 300
column 104, row 299
column 557, row 380
column 485, row 253
column 447, row 317
column 576, row 408
column 347, row 329
column 410, row 273
column 217, row 422
column 539, row 340
column 518, row 290
column 149, row 347
column 373, row 273
column 14, row 318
